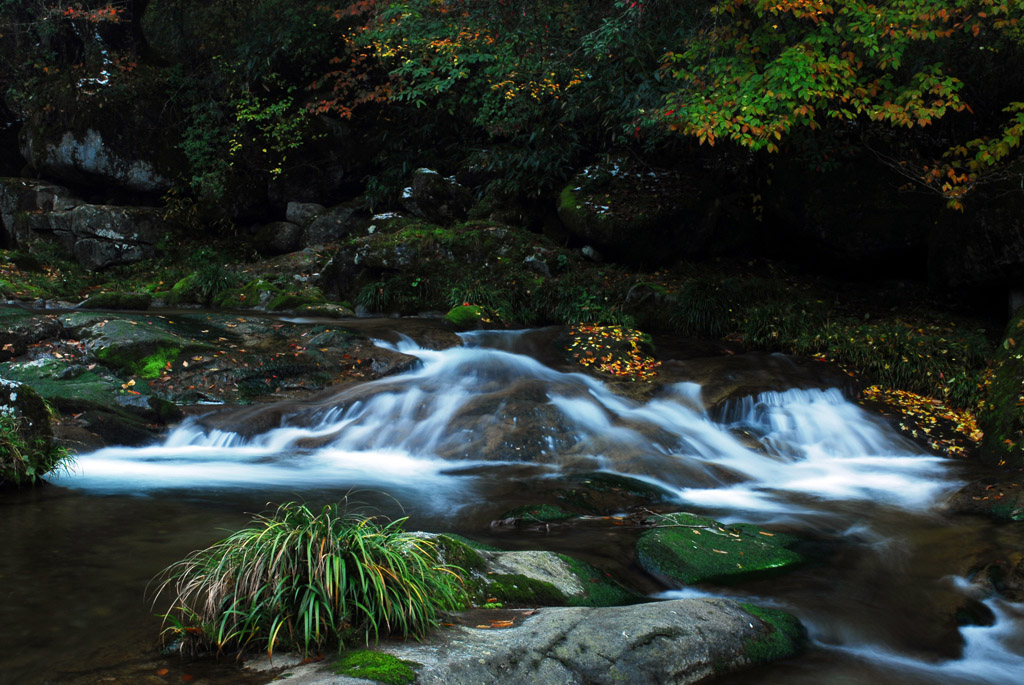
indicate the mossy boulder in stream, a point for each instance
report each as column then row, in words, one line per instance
column 1001, row 417
column 693, row 549
column 529, row 578
column 137, row 348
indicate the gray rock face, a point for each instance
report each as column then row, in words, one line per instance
column 301, row 213
column 86, row 157
column 330, row 225
column 677, row 641
column 97, row 235
column 435, row 198
column 27, row 195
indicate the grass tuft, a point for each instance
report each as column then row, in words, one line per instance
column 302, row 580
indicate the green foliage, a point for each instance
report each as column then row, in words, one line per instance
column 303, row 580
column 24, row 461
column 760, row 73
column 535, row 88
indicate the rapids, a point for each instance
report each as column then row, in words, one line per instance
column 471, row 431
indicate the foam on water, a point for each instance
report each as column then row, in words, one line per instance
column 797, row 446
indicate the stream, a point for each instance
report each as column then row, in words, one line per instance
column 473, row 432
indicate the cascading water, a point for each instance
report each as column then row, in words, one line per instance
column 809, row 461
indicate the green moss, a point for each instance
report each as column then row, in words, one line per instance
column 519, row 590
column 376, row 666
column 149, row 366
column 290, row 301
column 184, row 291
column 785, row 635
column 482, row 546
column 454, row 552
column 599, row 588
column 694, row 549
column 55, row 380
column 113, row 300
column 466, row 316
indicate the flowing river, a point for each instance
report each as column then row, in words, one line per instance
column 475, row 431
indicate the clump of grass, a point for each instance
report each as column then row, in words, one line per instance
column 23, row 460
column 303, row 580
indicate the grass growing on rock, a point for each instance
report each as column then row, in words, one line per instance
column 24, row 461
column 303, row 580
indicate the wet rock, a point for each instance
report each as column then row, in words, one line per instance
column 677, row 641
column 138, row 349
column 435, row 198
column 693, row 549
column 998, row 495
column 20, row 328
column 724, row 378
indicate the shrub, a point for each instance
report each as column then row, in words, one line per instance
column 24, row 460
column 302, row 580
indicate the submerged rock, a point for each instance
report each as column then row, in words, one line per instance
column 693, row 549
column 678, row 641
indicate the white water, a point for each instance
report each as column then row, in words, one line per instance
column 483, row 407
column 808, row 459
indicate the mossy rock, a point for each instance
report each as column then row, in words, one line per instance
column 56, row 380
column 454, row 551
column 137, row 348
column 327, row 311
column 253, row 294
column 289, row 301
column 693, row 549
column 467, row 316
column 785, row 635
column 27, row 449
column 376, row 666
column 541, row 578
column 1001, row 417
column 185, row 291
column 113, row 300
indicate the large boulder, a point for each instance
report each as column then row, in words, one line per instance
column 693, row 549
column 678, row 641
column 97, row 235
column 87, row 157
column 278, row 238
column 435, row 198
column 19, row 195
column 650, row 217
column 331, row 224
